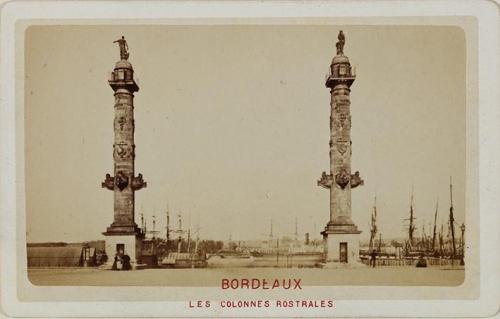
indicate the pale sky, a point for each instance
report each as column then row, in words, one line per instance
column 232, row 126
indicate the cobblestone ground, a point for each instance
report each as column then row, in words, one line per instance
column 386, row 276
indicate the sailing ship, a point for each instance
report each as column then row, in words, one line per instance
column 439, row 245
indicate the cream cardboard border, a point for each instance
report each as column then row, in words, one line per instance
column 481, row 28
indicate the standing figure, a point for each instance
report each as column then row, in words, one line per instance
column 373, row 258
column 115, row 266
column 126, row 263
column 340, row 44
column 123, row 48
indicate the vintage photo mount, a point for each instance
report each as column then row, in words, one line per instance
column 479, row 294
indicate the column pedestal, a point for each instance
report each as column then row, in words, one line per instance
column 341, row 244
column 132, row 245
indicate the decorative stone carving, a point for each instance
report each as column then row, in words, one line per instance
column 325, row 181
column 109, row 182
column 342, row 146
column 356, row 180
column 121, row 180
column 342, row 118
column 335, row 123
column 121, row 122
column 342, row 178
column 138, row 182
column 122, row 100
column 123, row 151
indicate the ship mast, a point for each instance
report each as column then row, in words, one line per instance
column 373, row 226
column 424, row 237
column 411, row 228
column 379, row 242
column 197, row 238
column 271, row 232
column 168, row 224
column 434, row 232
column 179, row 242
column 154, row 226
column 452, row 220
column 441, row 242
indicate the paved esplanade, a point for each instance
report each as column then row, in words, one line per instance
column 123, row 234
column 341, row 234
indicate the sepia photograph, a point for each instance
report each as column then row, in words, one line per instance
column 338, row 152
column 225, row 166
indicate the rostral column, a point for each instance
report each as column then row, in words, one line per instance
column 123, row 235
column 341, row 235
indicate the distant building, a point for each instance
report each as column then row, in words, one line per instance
column 66, row 256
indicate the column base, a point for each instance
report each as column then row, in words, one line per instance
column 119, row 229
column 131, row 244
column 341, row 246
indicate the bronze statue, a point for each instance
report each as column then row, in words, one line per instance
column 340, row 44
column 123, row 48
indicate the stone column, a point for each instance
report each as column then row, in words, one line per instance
column 123, row 155
column 123, row 230
column 341, row 234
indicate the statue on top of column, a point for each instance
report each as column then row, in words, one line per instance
column 123, row 48
column 340, row 43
